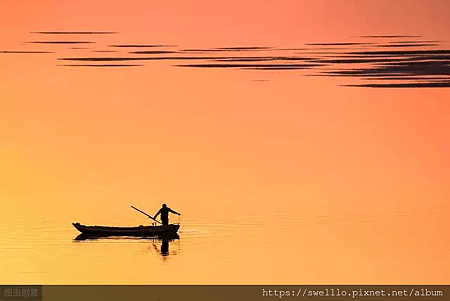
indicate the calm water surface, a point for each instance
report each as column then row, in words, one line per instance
column 305, row 142
column 320, row 248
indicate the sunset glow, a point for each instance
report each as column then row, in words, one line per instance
column 315, row 133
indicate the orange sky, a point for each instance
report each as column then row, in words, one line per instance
column 236, row 22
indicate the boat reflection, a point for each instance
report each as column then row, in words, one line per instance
column 165, row 240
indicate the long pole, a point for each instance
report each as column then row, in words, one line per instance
column 146, row 214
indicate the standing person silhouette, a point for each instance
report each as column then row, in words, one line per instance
column 164, row 211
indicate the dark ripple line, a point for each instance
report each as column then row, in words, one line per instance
column 25, row 52
column 61, row 42
column 140, row 45
column 74, row 32
column 99, row 65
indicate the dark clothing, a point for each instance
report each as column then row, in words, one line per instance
column 164, row 211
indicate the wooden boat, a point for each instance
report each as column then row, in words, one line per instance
column 168, row 230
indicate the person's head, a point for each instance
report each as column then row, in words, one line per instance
column 164, row 205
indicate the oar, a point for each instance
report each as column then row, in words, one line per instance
column 146, row 214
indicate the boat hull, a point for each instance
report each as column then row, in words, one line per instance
column 127, row 231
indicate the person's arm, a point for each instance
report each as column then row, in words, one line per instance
column 173, row 211
column 157, row 213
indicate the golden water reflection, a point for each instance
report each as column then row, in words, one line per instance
column 159, row 243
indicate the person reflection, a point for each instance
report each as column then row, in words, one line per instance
column 165, row 241
column 165, row 247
